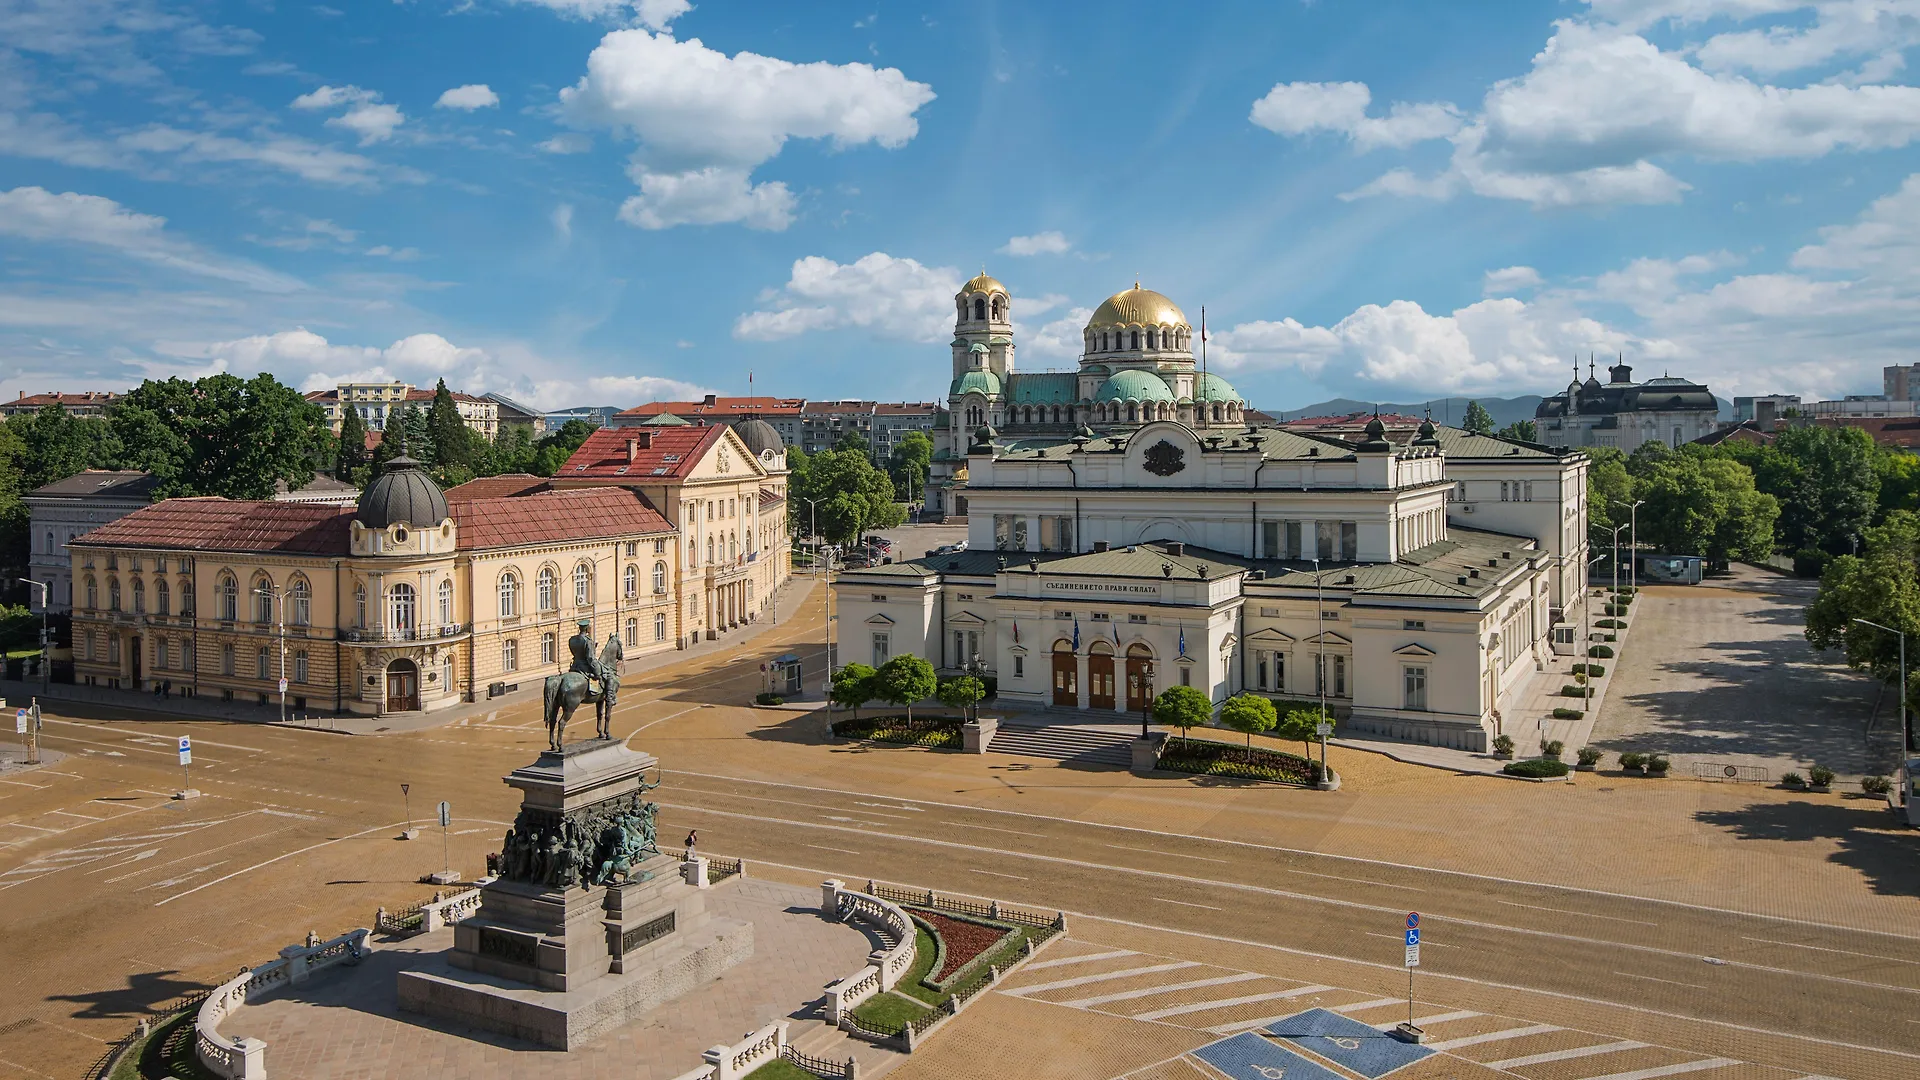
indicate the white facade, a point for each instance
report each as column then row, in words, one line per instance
column 66, row 510
column 1623, row 414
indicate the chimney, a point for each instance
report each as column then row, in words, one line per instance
column 710, row 401
column 1176, row 547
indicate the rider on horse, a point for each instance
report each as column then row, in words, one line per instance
column 584, row 661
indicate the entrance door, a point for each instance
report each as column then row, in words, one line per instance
column 1066, row 677
column 1100, row 681
column 403, row 686
column 1137, row 688
column 134, row 644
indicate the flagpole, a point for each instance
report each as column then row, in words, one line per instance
column 1202, row 395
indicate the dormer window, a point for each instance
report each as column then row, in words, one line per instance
column 400, row 534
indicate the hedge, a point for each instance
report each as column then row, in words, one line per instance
column 1571, row 690
column 765, row 698
column 1610, row 624
column 1567, row 714
column 940, row 732
column 1601, row 652
column 1591, row 671
column 1209, row 758
column 1616, row 609
column 1536, row 767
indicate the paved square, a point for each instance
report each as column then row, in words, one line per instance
column 1249, row 1057
column 1361, row 1047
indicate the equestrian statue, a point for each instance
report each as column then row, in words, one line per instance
column 565, row 693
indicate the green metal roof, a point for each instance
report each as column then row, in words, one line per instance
column 976, row 382
column 1042, row 388
column 1211, row 387
column 1134, row 385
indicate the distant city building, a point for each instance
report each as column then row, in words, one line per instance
column 85, row 403
column 1901, row 382
column 891, row 421
column 1860, row 407
column 64, row 511
column 597, row 415
column 513, row 412
column 812, row 426
column 322, row 490
column 1623, row 414
column 1763, row 409
column 376, row 402
column 1745, row 431
column 1350, row 427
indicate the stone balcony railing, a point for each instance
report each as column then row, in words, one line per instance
column 244, row 1058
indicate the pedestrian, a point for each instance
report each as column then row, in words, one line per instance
column 166, row 688
column 693, row 841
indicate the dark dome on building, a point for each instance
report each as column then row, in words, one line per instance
column 759, row 436
column 402, row 494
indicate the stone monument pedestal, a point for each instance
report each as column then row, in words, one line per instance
column 552, row 957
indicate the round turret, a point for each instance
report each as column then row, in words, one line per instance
column 759, row 436
column 402, row 494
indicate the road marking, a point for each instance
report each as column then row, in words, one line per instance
column 662, row 720
column 1358, row 859
column 1498, row 1036
column 1085, row 959
column 70, row 813
column 270, row 862
column 1363, row 1006
column 1156, row 851
column 991, row 873
column 1062, row 984
column 890, row 806
column 1564, row 1055
column 841, row 850
column 1669, row 982
column 1823, row 948
column 1129, row 995
column 1226, row 1003
column 1355, row 881
column 1667, row 1070
column 35, row 828
column 1436, row 1018
column 23, row 783
column 1582, row 914
column 1183, row 903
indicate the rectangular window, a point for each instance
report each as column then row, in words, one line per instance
column 1527, row 491
column 1413, row 624
column 1063, row 614
column 1269, row 612
column 1279, row 671
column 1416, row 687
column 113, row 649
column 973, row 644
column 1056, row 533
column 300, row 667
column 1503, row 491
column 546, row 648
column 1269, row 540
column 1186, row 676
column 1326, row 535
column 964, row 596
column 1260, row 670
column 659, row 547
column 881, row 648
column 878, row 598
column 1293, row 540
column 510, row 655
column 959, row 656
column 660, row 627
column 1019, row 666
column 1339, row 676
column 1349, row 540
column 1101, row 616
column 1136, row 618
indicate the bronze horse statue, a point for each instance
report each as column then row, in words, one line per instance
column 565, row 693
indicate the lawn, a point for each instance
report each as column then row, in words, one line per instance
column 780, row 1069
column 889, row 1011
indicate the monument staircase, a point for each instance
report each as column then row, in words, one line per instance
column 1065, row 742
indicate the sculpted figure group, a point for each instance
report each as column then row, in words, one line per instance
column 591, row 847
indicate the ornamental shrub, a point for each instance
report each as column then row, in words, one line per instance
column 1875, row 785
column 1552, row 749
column 1633, row 761
column 1820, row 776
column 1567, row 714
column 1657, row 764
column 1571, row 690
column 1603, row 652
column 1793, row 780
column 766, row 698
column 1536, row 767
column 1592, row 671
column 1503, row 744
column 1589, row 756
column 1609, row 624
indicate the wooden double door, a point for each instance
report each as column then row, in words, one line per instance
column 1066, row 679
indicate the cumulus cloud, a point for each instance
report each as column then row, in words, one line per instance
column 34, row 213
column 366, row 115
column 706, row 120
column 1301, row 108
column 893, row 298
column 1051, row 242
column 652, row 14
column 1510, row 279
column 468, row 98
column 567, row 142
column 1600, row 104
column 1057, row 339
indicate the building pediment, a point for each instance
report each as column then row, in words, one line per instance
column 879, row 620
column 965, row 618
column 1415, row 649
column 1328, row 637
column 1269, row 635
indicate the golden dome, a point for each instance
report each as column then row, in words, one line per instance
column 1137, row 307
column 984, row 284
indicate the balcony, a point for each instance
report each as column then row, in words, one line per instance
column 381, row 636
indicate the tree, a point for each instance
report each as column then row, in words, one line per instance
column 1899, row 481
column 1699, row 503
column 456, row 447
column 961, row 692
column 55, row 444
column 511, row 452
column 553, row 449
column 1479, row 420
column 1182, row 708
column 852, row 496
column 1883, row 586
column 904, row 680
column 1835, row 487
column 1523, row 430
column 1609, row 493
column 351, row 455
column 853, row 440
column 912, row 459
column 15, row 517
column 393, row 444
column 1302, row 724
column 852, row 687
column 1250, row 714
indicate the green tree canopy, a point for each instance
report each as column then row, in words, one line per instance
column 1609, row 494
column 853, row 440
column 904, row 680
column 1478, row 420
column 961, row 692
column 458, row 450
column 1524, row 430
column 1703, row 504
column 852, row 687
column 350, row 456
column 1880, row 585
column 1303, row 725
column 908, row 467
column 55, row 444
column 1182, row 708
column 1835, row 487
column 851, row 496
column 1250, row 714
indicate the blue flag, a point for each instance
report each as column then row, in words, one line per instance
column 1183, row 641
column 1076, row 634
column 1116, row 634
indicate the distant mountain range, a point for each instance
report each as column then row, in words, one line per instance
column 1445, row 410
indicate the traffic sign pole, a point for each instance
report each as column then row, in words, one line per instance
column 1413, row 961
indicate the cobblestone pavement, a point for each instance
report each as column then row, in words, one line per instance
column 1721, row 673
column 348, row 1023
column 1587, row 905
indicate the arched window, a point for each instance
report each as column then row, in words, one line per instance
column 360, row 605
column 544, row 590
column 262, row 664
column 49, row 541
column 300, row 611
column 446, row 670
column 1136, row 340
column 263, row 599
column 733, row 545
column 162, row 597
column 113, row 594
column 630, row 581
column 509, row 595
column 93, row 594
column 709, row 549
column 1150, row 338
column 633, row 632
column 582, row 585
column 139, row 597
column 446, row 601
column 997, row 306
column 1103, row 341
column 400, row 611
column 979, row 308
column 660, row 577
column 1133, row 411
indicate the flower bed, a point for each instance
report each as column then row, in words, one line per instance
column 1209, row 758
column 960, row 940
column 940, row 732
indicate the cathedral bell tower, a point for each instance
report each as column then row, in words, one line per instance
column 983, row 328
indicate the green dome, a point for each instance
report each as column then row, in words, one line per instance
column 976, row 382
column 1211, row 387
column 1134, row 385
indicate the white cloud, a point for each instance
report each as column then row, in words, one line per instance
column 366, row 116
column 47, row 138
column 1051, row 242
column 893, row 298
column 567, row 142
column 659, row 14
column 34, row 213
column 1510, row 279
column 468, row 98
column 387, row 251
column 1057, row 339
column 1301, row 108
column 706, row 120
column 652, row 14
column 710, row 196
column 563, row 220
column 1586, row 124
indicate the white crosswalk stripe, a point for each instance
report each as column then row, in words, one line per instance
column 1227, row 1003
column 1363, row 1006
column 1667, row 1070
column 1567, row 1055
column 1436, row 1018
column 1496, row 1036
column 1128, row 995
column 1086, row 958
column 1083, row 980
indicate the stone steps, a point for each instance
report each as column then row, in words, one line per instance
column 813, row 1037
column 1064, row 742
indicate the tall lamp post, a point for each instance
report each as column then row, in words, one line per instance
column 1320, row 626
column 1146, row 696
column 276, row 593
column 46, row 635
column 1616, row 555
column 1633, row 522
column 1586, row 636
column 1906, row 731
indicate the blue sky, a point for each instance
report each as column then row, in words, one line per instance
column 604, row 201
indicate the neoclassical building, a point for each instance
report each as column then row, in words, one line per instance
column 1624, row 414
column 1414, row 583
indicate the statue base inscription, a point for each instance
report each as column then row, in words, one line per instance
column 588, row 925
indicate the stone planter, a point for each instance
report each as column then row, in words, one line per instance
column 1503, row 755
column 1636, row 770
column 1820, row 789
column 1583, row 767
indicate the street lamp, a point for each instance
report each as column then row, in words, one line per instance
column 976, row 668
column 1633, row 568
column 1616, row 555
column 1906, row 731
column 275, row 592
column 1146, row 696
column 46, row 636
column 813, row 530
column 1586, row 636
column 1320, row 626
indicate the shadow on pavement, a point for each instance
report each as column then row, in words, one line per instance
column 142, row 994
column 1870, row 841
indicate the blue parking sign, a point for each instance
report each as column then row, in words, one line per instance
column 1413, row 936
column 1413, row 920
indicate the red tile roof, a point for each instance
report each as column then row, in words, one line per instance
column 554, row 516
column 770, row 498
column 498, row 487
column 758, row 405
column 214, row 524
column 1354, row 420
column 86, row 397
column 668, row 453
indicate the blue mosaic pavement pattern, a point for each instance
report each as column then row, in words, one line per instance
column 1248, row 1056
column 1361, row 1047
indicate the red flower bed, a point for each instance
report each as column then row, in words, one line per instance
column 963, row 940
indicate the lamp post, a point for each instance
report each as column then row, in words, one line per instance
column 1586, row 637
column 276, row 593
column 1616, row 555
column 1633, row 521
column 1146, row 696
column 46, row 635
column 1320, row 634
column 1906, row 731
column 813, row 530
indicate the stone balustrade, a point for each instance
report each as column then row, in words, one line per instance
column 885, row 967
column 733, row 1062
column 244, row 1058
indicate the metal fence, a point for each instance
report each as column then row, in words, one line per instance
column 1726, row 772
column 821, row 1067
